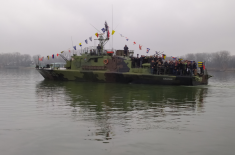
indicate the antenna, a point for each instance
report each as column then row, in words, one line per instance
column 95, row 28
column 112, row 27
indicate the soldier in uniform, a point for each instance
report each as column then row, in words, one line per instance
column 125, row 50
column 98, row 48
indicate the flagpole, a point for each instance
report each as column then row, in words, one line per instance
column 112, row 27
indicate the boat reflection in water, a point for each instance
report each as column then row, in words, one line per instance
column 120, row 108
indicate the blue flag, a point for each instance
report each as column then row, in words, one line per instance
column 148, row 49
column 156, row 52
column 90, row 38
column 74, row 47
column 86, row 41
column 53, row 56
column 103, row 29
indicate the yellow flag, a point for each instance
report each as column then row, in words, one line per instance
column 97, row 35
column 164, row 57
column 80, row 44
column 48, row 57
column 113, row 32
column 62, row 52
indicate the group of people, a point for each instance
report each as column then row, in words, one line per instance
column 160, row 66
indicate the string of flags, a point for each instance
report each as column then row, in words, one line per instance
column 106, row 29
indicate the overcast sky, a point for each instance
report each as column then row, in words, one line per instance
column 176, row 27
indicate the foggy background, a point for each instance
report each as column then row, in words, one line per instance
column 177, row 27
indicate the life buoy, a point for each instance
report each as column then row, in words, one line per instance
column 106, row 61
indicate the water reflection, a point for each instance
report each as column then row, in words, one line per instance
column 119, row 108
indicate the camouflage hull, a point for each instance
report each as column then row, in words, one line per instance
column 118, row 77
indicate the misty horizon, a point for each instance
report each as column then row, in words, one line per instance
column 177, row 28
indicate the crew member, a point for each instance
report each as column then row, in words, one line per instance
column 125, row 50
column 98, row 48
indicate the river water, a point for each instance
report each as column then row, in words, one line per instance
column 57, row 118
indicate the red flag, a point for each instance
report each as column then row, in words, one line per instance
column 203, row 67
column 57, row 54
column 134, row 43
column 69, row 50
column 140, row 47
column 97, row 35
column 108, row 33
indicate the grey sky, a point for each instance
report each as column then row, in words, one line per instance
column 175, row 26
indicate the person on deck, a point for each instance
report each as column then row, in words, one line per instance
column 152, row 64
column 125, row 50
column 99, row 49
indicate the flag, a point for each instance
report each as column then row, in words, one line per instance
column 80, row 44
column 90, row 38
column 121, row 35
column 103, row 29
column 163, row 56
column 140, row 47
column 97, row 35
column 69, row 49
column 108, row 34
column 134, row 43
column 148, row 49
column 113, row 32
column 42, row 58
column 127, row 39
column 106, row 26
column 52, row 56
column 86, row 41
column 57, row 54
column 74, row 47
column 39, row 59
column 48, row 57
column 156, row 52
column 174, row 58
column 62, row 52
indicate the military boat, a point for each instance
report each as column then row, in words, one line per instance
column 112, row 66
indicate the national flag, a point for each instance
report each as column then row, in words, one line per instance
column 80, row 44
column 62, row 52
column 48, row 57
column 74, row 47
column 90, row 38
column 140, row 47
column 52, row 56
column 148, row 49
column 113, row 32
column 57, row 54
column 103, row 29
column 134, row 43
column 97, row 35
column 174, row 58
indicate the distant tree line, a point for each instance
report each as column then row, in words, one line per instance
column 15, row 59
column 221, row 60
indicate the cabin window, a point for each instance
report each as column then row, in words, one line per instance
column 96, row 60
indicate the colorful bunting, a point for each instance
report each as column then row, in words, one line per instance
column 140, row 47
column 97, row 35
column 57, row 54
column 134, row 43
column 48, row 57
column 74, row 47
column 90, row 38
column 148, row 49
column 80, row 44
column 52, row 56
column 86, row 41
column 113, row 32
column 108, row 34
column 127, row 39
column 103, row 29
column 62, row 52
